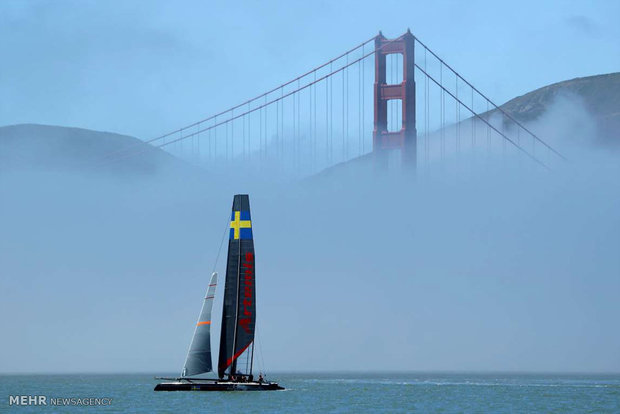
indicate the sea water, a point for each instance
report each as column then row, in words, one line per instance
column 339, row 393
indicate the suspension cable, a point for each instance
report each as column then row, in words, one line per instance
column 491, row 102
column 126, row 152
column 483, row 120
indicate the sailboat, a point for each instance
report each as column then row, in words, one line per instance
column 238, row 320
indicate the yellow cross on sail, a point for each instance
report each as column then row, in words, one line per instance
column 240, row 225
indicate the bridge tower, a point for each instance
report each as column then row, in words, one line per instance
column 405, row 138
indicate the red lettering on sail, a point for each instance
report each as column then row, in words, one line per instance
column 244, row 322
column 248, row 268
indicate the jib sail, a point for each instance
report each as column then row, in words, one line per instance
column 239, row 313
column 199, row 356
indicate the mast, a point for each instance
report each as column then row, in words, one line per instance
column 233, row 366
column 252, row 358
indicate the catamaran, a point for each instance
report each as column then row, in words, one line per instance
column 238, row 320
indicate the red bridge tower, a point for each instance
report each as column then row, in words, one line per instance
column 404, row 139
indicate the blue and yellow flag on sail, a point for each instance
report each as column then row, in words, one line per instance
column 240, row 225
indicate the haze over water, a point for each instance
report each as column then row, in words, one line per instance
column 483, row 270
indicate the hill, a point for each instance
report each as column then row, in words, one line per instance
column 600, row 95
column 56, row 148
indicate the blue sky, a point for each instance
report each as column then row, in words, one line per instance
column 143, row 68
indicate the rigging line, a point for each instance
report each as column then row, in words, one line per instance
column 326, row 123
column 277, row 128
column 503, row 142
column 331, row 116
column 309, row 138
column 443, row 117
column 301, row 139
column 363, row 103
column 533, row 158
column 359, row 109
column 492, row 103
column 295, row 136
column 232, row 138
column 260, row 351
column 282, row 149
column 426, row 118
column 488, row 131
column 176, row 147
column 243, row 138
column 298, row 136
column 345, row 93
column 314, row 140
column 473, row 124
column 343, row 154
column 458, row 117
column 441, row 122
column 221, row 244
column 264, row 149
column 348, row 105
column 198, row 148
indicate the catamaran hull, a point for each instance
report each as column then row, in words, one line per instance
column 217, row 386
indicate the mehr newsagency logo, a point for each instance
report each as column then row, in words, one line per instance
column 43, row 400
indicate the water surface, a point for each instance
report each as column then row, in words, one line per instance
column 346, row 392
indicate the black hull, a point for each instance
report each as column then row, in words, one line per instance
column 217, row 386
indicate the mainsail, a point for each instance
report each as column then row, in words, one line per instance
column 199, row 356
column 239, row 312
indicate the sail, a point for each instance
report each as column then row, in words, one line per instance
column 239, row 312
column 199, row 356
